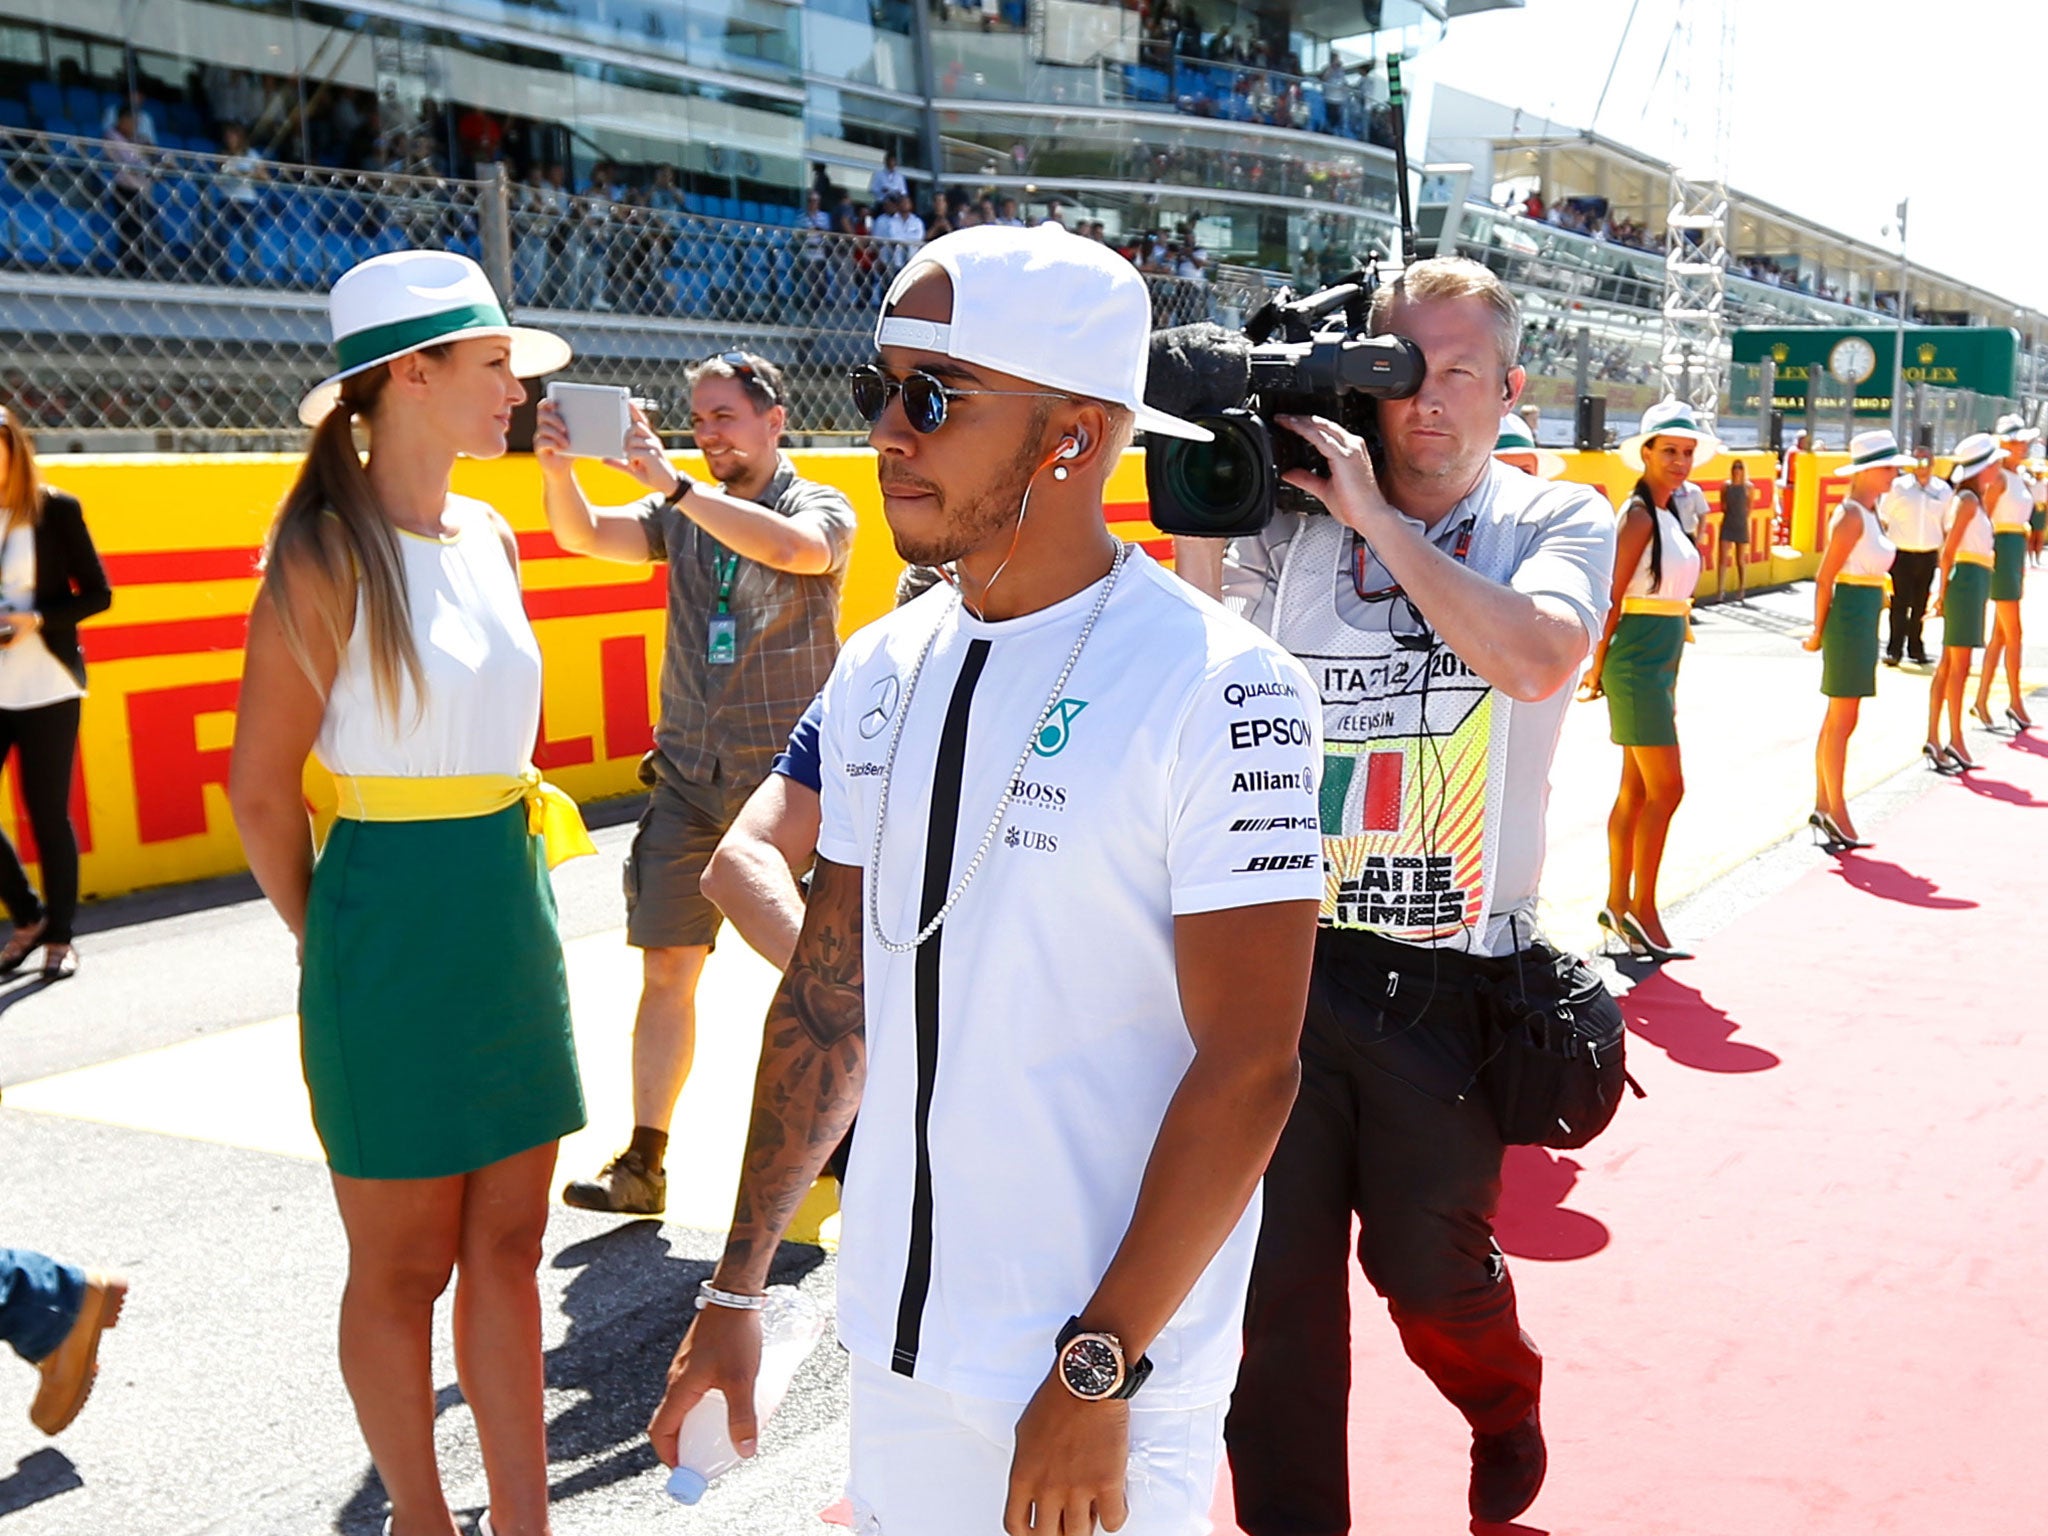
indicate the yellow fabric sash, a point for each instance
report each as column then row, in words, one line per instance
column 1971, row 557
column 551, row 814
column 1662, row 607
column 1848, row 580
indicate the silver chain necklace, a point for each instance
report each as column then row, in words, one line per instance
column 988, row 837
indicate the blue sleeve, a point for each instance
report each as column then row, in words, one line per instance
column 799, row 760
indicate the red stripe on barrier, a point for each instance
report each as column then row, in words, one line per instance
column 171, row 637
column 581, row 602
column 159, row 567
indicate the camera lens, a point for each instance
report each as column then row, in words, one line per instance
column 1219, row 484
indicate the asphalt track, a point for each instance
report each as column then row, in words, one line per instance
column 154, row 1121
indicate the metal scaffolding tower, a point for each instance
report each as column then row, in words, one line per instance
column 1694, row 354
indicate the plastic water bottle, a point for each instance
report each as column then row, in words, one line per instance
column 790, row 1326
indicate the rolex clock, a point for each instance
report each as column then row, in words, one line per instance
column 1852, row 360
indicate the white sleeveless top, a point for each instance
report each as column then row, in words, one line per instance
column 481, row 661
column 2015, row 506
column 1977, row 532
column 1681, row 560
column 1874, row 552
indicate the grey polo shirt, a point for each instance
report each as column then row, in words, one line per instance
column 1539, row 537
column 723, row 723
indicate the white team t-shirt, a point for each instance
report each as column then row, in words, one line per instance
column 1179, row 775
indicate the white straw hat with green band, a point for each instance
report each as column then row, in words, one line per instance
column 1875, row 449
column 405, row 300
column 1516, row 438
column 1671, row 418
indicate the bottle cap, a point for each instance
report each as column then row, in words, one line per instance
column 686, row 1485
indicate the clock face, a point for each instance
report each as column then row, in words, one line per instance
column 1852, row 360
column 1091, row 1368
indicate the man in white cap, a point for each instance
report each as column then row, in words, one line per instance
column 1467, row 597
column 1056, row 949
column 1915, row 517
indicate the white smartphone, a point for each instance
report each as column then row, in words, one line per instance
column 596, row 417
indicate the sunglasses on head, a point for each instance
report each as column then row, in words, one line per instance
column 743, row 367
column 924, row 397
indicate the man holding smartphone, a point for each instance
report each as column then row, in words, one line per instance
column 756, row 564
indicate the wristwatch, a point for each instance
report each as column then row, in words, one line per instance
column 1092, row 1366
column 683, row 486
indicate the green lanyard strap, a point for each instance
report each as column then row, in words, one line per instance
column 727, row 564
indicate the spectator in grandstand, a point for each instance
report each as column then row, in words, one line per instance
column 52, row 1315
column 50, row 580
column 128, row 197
column 1635, row 667
column 389, row 636
column 813, row 252
column 480, row 136
column 137, row 104
column 1054, row 213
column 887, row 181
column 1011, row 216
column 1848, row 592
column 666, row 195
column 755, row 569
column 237, row 205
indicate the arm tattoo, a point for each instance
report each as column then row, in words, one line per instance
column 813, row 1066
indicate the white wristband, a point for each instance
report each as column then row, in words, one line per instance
column 709, row 1295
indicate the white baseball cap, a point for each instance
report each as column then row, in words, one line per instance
column 1042, row 305
column 405, row 300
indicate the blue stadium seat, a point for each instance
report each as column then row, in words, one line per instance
column 82, row 239
column 31, row 241
column 45, row 101
column 82, row 104
column 751, row 212
column 272, row 258
column 182, row 117
column 693, row 202
column 13, row 114
column 182, row 230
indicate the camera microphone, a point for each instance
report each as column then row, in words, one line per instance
column 1198, row 370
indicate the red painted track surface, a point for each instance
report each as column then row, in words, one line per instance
column 1787, row 1293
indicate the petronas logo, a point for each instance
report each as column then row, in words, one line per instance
column 1059, row 726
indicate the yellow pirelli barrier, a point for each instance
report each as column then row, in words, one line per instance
column 180, row 535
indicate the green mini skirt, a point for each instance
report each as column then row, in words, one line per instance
column 1848, row 646
column 1962, row 604
column 1640, row 679
column 433, row 1002
column 2038, row 520
column 2009, row 575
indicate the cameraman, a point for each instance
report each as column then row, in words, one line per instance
column 1443, row 605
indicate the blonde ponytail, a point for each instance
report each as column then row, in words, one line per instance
column 330, row 530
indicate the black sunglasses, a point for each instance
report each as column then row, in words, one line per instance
column 743, row 366
column 924, row 397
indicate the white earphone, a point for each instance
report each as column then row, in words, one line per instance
column 1070, row 449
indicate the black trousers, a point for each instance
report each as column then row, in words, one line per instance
column 46, row 740
column 1912, row 579
column 1384, row 1129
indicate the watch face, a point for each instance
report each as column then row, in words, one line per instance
column 1090, row 1367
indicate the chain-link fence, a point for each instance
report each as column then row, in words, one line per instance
column 172, row 300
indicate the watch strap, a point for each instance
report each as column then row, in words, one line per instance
column 682, row 488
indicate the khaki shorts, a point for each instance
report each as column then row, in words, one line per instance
column 679, row 829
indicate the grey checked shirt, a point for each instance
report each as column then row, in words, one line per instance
column 724, row 723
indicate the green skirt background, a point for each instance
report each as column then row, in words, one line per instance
column 433, row 1002
column 1848, row 646
column 1962, row 604
column 2038, row 520
column 1640, row 679
column 2009, row 574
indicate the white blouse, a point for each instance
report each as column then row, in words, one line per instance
column 30, row 676
column 478, row 652
column 1874, row 552
column 1681, row 561
column 1976, row 532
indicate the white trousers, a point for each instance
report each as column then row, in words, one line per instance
column 926, row 1462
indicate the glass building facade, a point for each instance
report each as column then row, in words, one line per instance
column 1262, row 126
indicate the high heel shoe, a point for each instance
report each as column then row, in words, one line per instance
column 1840, row 841
column 1962, row 764
column 1937, row 759
column 1613, row 927
column 1983, row 717
column 2019, row 721
column 1637, row 938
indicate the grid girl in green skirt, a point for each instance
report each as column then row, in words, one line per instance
column 1966, row 559
column 2010, row 501
column 1635, row 666
column 389, row 640
column 1848, row 596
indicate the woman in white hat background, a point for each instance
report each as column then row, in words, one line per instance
column 389, row 640
column 1966, row 560
column 1516, row 448
column 1635, row 665
column 2012, row 511
column 1848, row 596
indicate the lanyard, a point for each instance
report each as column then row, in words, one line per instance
column 727, row 564
column 1358, row 557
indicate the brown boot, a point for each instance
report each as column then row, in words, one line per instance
column 69, row 1369
column 626, row 1187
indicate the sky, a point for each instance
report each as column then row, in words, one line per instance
column 1840, row 108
